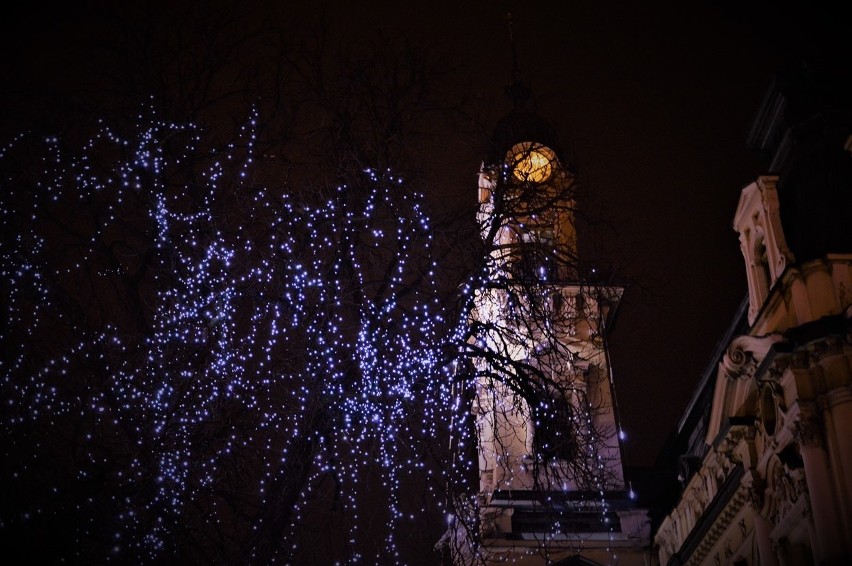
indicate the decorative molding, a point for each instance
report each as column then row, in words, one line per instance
column 756, row 494
column 744, row 355
column 830, row 346
column 785, row 488
column 808, row 431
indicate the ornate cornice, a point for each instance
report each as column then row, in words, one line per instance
column 744, row 355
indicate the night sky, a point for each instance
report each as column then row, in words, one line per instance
column 654, row 102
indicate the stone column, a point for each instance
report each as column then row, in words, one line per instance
column 838, row 425
column 765, row 551
column 828, row 538
column 762, row 527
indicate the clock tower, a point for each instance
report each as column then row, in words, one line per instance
column 551, row 486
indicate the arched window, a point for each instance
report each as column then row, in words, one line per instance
column 553, row 427
column 536, row 254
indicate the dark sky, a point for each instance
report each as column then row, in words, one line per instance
column 655, row 102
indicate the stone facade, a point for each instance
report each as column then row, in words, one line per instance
column 551, row 482
column 767, row 475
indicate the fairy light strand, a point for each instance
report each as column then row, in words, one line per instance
column 250, row 306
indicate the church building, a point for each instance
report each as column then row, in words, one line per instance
column 765, row 445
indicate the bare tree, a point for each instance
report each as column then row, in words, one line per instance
column 537, row 373
column 197, row 357
column 210, row 354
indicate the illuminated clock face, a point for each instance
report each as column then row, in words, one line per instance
column 531, row 162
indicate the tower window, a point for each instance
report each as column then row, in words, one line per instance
column 553, row 428
column 536, row 253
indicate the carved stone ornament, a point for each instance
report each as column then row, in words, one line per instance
column 807, row 431
column 787, row 493
column 784, row 488
column 737, row 363
column 756, row 495
column 744, row 354
column 831, row 346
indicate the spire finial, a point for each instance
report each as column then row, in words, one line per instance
column 517, row 91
